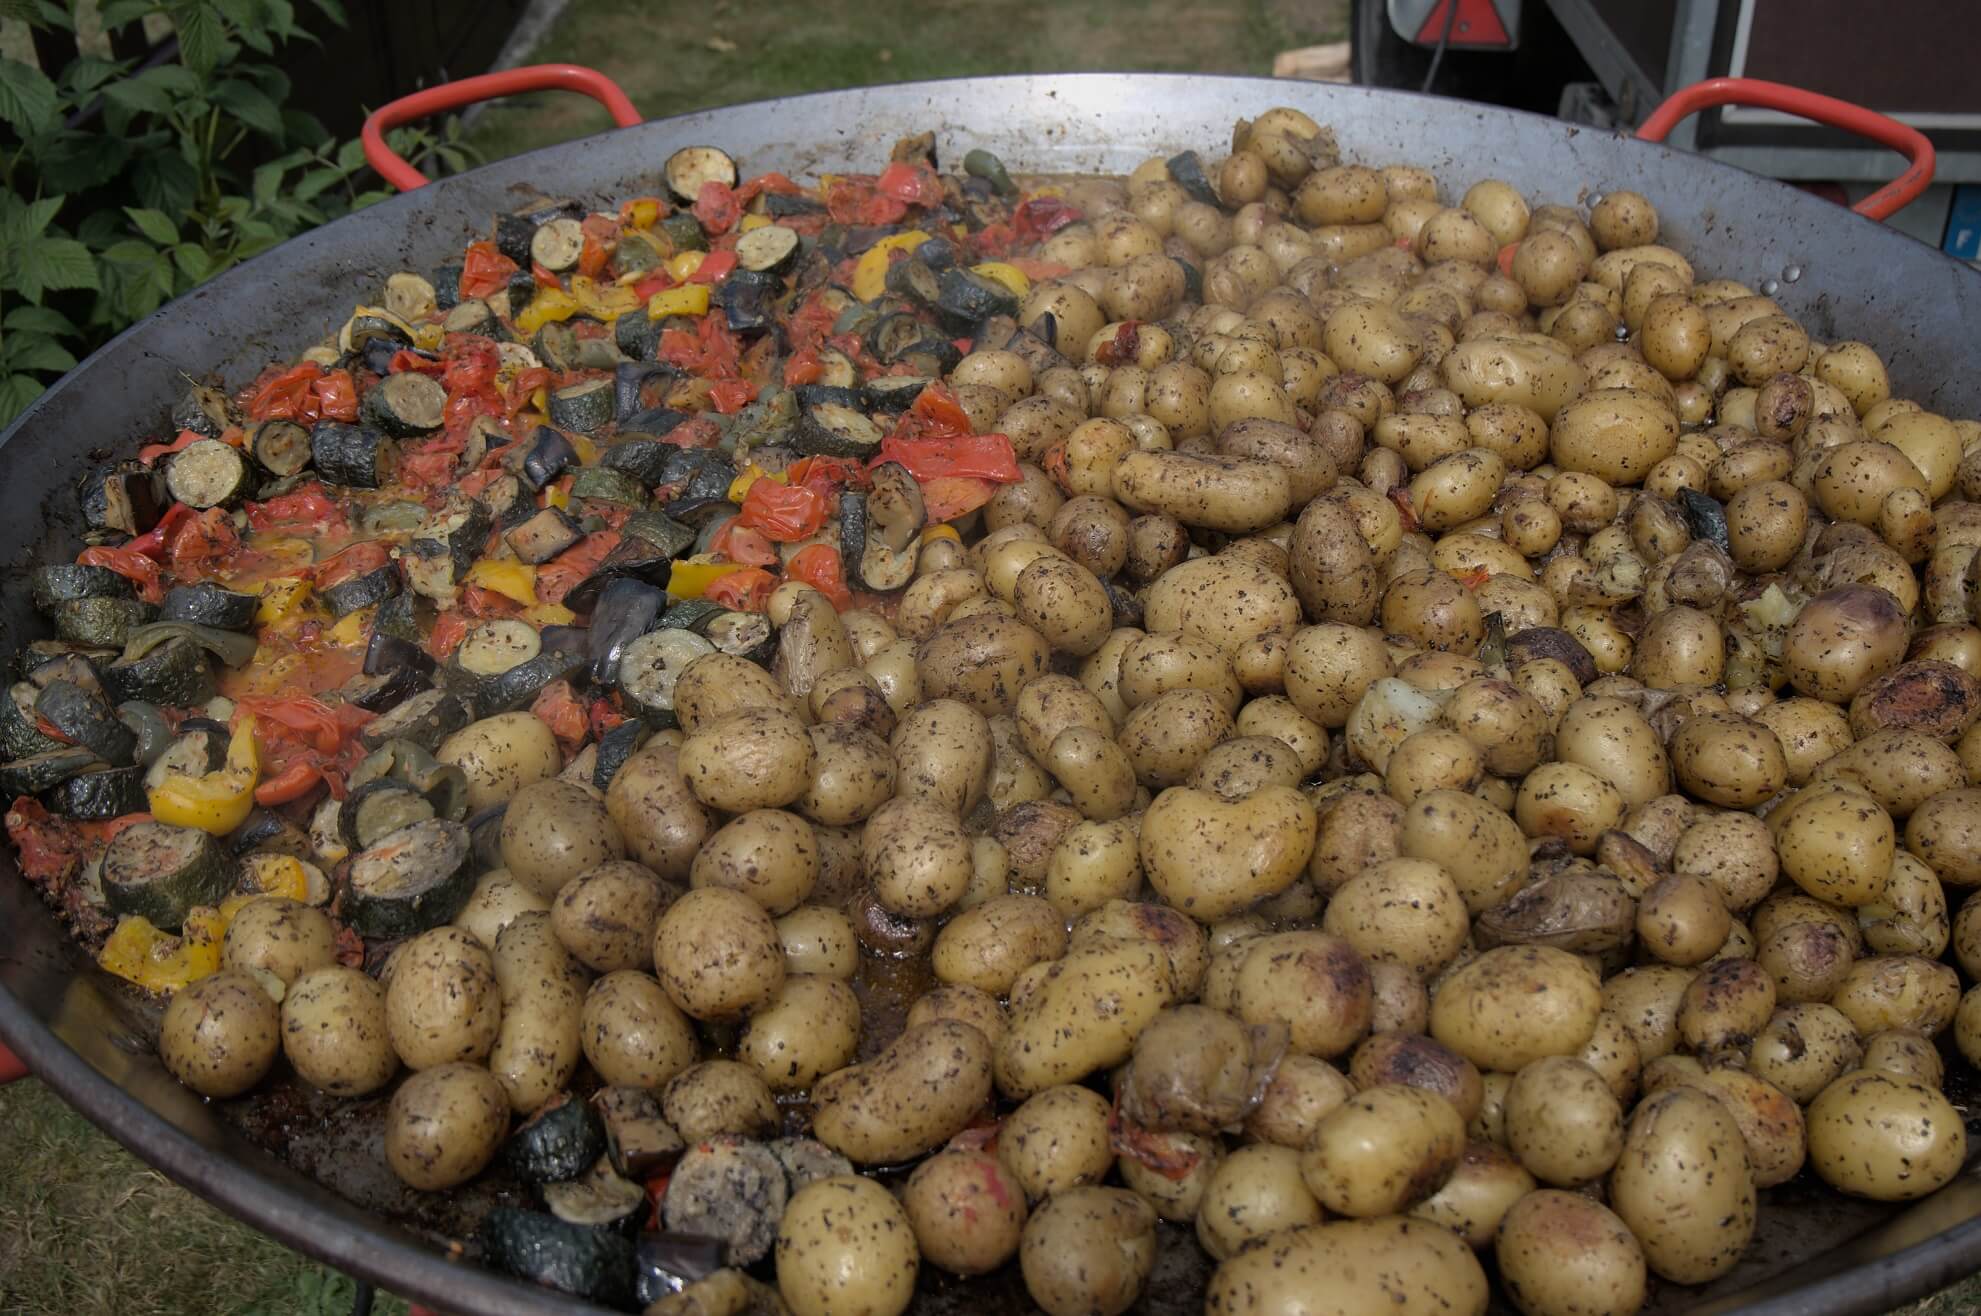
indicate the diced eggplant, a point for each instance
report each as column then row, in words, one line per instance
column 1193, row 279
column 39, row 772
column 832, row 430
column 207, row 474
column 603, row 484
column 586, row 407
column 562, row 1140
column 148, row 723
column 626, row 609
column 376, row 586
column 19, row 736
column 914, row 280
column 895, row 333
column 637, row 334
column 409, row 880
column 472, row 316
column 512, row 237
column 61, row 581
column 742, row 635
column 629, row 384
column 203, row 410
column 632, row 558
column 385, row 654
column 425, row 719
column 1186, row 170
column 931, row 358
column 638, row 1138
column 557, row 244
column 521, row 288
column 36, row 655
column 892, row 394
column 783, row 205
column 747, row 301
column 599, row 1199
column 208, row 604
column 84, row 717
column 653, row 423
column 379, row 355
column 380, row 807
column 549, row 455
column 199, row 748
column 544, row 535
column 402, row 615
column 442, row 550
column 268, row 832
column 407, row 404
column 615, row 747
column 980, row 163
column 699, row 473
column 533, row 1245
column 659, row 529
column 78, row 666
column 354, row 456
column 691, row 166
column 508, row 500
column 102, row 622
column 666, row 1264
column 98, row 796
column 649, row 666
column 160, row 872
column 126, row 498
column 375, row 692
column 643, row 459
column 938, row 253
column 966, row 297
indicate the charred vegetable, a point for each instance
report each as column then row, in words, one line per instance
column 355, row 456
column 160, row 872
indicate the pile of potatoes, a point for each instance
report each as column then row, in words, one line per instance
column 1458, row 754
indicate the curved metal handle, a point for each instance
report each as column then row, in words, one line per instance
column 1883, row 129
column 488, row 86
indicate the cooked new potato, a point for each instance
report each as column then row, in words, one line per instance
column 220, row 1035
column 845, row 1244
column 1882, row 1136
column 444, row 1125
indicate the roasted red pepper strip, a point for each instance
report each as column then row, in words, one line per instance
column 132, row 565
column 292, row 783
column 484, row 270
column 976, row 457
column 818, row 565
column 151, row 452
column 784, row 513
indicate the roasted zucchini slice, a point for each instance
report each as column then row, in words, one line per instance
column 160, row 872
column 409, row 880
column 206, row 474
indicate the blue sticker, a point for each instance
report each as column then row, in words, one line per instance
column 1964, row 223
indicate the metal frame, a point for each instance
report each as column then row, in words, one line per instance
column 74, row 1028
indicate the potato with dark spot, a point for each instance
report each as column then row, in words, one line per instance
column 606, row 916
column 1316, row 984
column 1383, row 1150
column 1516, row 1004
column 809, row 1029
column 1565, row 1254
column 719, row 1098
column 280, row 937
column 1936, row 698
column 220, row 1035
column 917, row 858
column 444, row 1125
column 1844, row 639
column 1196, row 1070
column 989, row 945
column 1210, row 857
column 983, row 661
column 914, row 1096
column 766, row 854
column 1563, row 1122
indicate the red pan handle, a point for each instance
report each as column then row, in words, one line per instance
column 453, row 95
column 10, row 1067
column 1903, row 138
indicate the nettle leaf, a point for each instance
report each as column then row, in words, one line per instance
column 351, row 154
column 164, row 181
column 38, row 320
column 246, row 102
column 312, row 183
column 63, row 263
column 38, row 353
column 144, row 92
column 28, row 100
column 16, row 392
column 72, row 161
column 31, row 219
column 154, row 224
column 201, row 41
column 86, row 72
column 193, row 261
column 116, row 13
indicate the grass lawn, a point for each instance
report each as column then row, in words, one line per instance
column 671, row 59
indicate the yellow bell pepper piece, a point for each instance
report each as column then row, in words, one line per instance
column 512, row 580
column 138, row 952
column 270, row 875
column 686, row 263
column 549, row 614
column 739, row 488
column 604, row 301
column 215, row 802
column 936, row 532
column 1008, row 275
column 691, row 577
column 352, row 627
column 645, row 213
column 689, row 300
column 587, row 450
column 540, row 399
column 751, row 222
column 870, row 275
column 549, row 304
column 556, row 496
column 429, row 337
column 281, row 599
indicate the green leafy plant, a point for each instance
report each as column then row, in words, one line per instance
column 124, row 183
